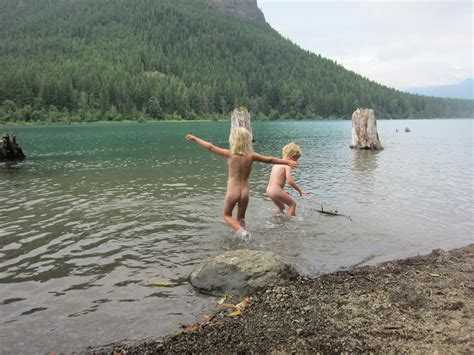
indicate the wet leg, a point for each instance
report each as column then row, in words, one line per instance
column 229, row 204
column 292, row 209
column 275, row 196
column 280, row 205
column 242, row 208
column 282, row 198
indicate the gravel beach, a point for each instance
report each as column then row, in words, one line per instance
column 418, row 304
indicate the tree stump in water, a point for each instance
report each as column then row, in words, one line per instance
column 364, row 130
column 9, row 149
column 241, row 118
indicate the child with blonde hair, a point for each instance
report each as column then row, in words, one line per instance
column 240, row 158
column 279, row 176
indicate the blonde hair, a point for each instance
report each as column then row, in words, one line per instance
column 292, row 150
column 240, row 141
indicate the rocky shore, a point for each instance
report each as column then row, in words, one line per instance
column 418, row 304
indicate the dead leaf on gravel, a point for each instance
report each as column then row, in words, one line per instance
column 192, row 328
column 238, row 308
column 223, row 299
column 162, row 283
column 245, row 302
column 235, row 313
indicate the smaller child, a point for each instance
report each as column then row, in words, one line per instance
column 279, row 176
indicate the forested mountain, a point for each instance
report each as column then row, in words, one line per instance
column 85, row 60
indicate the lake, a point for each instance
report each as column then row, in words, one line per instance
column 98, row 213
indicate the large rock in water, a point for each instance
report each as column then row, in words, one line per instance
column 241, row 272
column 364, row 130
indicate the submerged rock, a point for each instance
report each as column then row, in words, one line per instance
column 364, row 130
column 241, row 272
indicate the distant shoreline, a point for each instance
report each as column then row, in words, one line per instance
column 124, row 122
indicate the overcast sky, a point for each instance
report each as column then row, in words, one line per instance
column 401, row 44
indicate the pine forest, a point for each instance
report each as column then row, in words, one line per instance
column 90, row 60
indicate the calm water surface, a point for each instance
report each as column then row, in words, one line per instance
column 96, row 214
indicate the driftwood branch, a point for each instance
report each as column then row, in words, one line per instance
column 332, row 213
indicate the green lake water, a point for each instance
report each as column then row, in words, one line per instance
column 97, row 213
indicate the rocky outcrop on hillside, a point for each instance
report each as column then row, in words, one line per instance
column 244, row 9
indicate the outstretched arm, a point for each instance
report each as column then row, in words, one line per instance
column 292, row 182
column 273, row 160
column 219, row 151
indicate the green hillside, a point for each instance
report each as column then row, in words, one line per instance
column 85, row 60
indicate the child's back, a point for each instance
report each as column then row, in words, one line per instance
column 240, row 167
column 277, row 176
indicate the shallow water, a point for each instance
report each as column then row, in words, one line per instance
column 96, row 214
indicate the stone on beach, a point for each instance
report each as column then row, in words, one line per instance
column 364, row 130
column 241, row 272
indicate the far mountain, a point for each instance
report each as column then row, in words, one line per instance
column 461, row 90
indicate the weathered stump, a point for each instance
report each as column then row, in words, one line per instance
column 364, row 130
column 241, row 118
column 9, row 149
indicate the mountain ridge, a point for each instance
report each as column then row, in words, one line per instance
column 461, row 90
column 171, row 59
